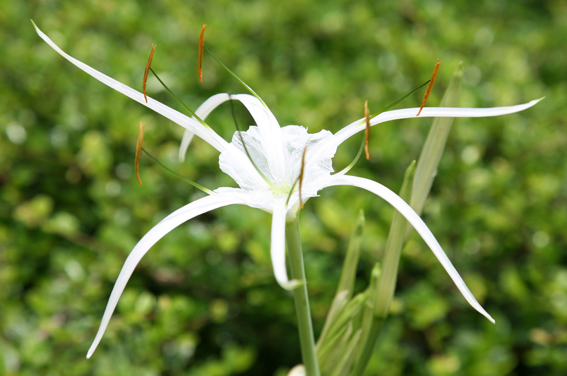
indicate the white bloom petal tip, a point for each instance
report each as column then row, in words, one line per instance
column 298, row 370
column 479, row 308
column 200, row 130
column 533, row 102
column 484, row 313
column 169, row 223
column 291, row 285
column 422, row 229
column 91, row 351
column 409, row 113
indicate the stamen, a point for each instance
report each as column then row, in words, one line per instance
column 351, row 165
column 237, row 78
column 400, row 100
column 301, row 175
column 198, row 186
column 430, row 86
column 291, row 191
column 179, row 100
column 139, row 144
column 148, row 71
column 201, row 50
column 367, row 132
column 140, row 149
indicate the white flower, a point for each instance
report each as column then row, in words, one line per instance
column 277, row 152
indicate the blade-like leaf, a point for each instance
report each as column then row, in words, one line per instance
column 348, row 274
column 347, row 359
column 346, row 283
column 347, row 314
column 393, row 250
column 339, row 302
column 415, row 189
column 336, row 348
column 434, row 145
column 368, row 314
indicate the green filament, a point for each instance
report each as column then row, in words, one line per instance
column 198, row 186
column 237, row 78
column 179, row 100
column 351, row 165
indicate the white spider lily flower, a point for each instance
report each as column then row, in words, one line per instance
column 277, row 153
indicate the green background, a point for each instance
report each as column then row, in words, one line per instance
column 204, row 300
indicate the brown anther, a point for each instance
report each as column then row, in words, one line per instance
column 201, row 50
column 430, row 86
column 301, row 174
column 367, row 132
column 139, row 144
column 148, row 71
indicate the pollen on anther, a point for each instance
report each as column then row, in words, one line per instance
column 139, row 144
column 430, row 86
column 201, row 50
column 147, row 71
column 301, row 175
column 367, row 132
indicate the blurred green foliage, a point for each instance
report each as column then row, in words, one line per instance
column 204, row 300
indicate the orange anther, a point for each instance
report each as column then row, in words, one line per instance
column 430, row 86
column 139, row 144
column 201, row 50
column 148, row 71
column 301, row 174
column 367, row 132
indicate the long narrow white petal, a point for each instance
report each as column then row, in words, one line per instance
column 278, row 248
column 203, row 111
column 205, row 133
column 410, row 113
column 173, row 220
column 418, row 224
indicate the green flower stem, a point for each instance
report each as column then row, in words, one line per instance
column 306, row 337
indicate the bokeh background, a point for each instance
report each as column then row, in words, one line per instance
column 204, row 300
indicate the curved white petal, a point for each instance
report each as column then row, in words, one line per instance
column 261, row 114
column 277, row 248
column 410, row 113
column 170, row 222
column 270, row 130
column 185, row 142
column 417, row 223
column 203, row 111
column 205, row 133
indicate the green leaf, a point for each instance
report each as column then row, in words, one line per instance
column 396, row 237
column 434, row 145
column 346, row 361
column 350, row 264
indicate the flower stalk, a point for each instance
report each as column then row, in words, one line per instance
column 301, row 299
